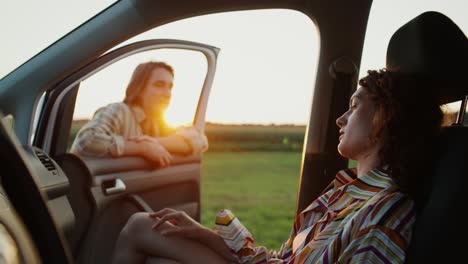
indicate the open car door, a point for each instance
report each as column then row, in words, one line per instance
column 105, row 192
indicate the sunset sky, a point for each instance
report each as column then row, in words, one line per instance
column 262, row 77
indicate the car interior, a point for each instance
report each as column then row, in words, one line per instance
column 58, row 207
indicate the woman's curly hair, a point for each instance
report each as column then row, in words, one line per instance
column 407, row 121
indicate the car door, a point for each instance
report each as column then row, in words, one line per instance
column 104, row 192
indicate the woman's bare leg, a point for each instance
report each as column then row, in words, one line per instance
column 160, row 261
column 138, row 240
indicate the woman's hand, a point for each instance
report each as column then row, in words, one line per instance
column 152, row 150
column 180, row 224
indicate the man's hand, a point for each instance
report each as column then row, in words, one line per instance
column 152, row 150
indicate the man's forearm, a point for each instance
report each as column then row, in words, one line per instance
column 132, row 148
column 175, row 144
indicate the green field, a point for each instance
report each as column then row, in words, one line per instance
column 234, row 138
column 260, row 188
column 255, row 137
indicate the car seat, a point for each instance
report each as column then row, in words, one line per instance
column 433, row 46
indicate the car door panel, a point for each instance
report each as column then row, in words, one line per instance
column 99, row 166
column 138, row 176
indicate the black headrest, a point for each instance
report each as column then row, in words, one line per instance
column 433, row 47
column 439, row 224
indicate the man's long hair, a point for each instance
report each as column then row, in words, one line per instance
column 140, row 77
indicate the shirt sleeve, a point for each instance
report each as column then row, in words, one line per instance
column 194, row 138
column 102, row 136
column 385, row 234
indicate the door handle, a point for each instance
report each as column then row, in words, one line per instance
column 113, row 186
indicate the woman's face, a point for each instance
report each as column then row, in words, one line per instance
column 156, row 95
column 356, row 126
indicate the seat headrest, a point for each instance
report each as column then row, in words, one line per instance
column 433, row 47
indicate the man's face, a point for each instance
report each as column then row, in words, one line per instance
column 156, row 95
column 356, row 126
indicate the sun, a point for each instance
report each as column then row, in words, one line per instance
column 177, row 117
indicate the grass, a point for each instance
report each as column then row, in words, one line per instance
column 255, row 137
column 260, row 188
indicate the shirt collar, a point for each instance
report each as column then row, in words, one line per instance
column 364, row 186
column 138, row 112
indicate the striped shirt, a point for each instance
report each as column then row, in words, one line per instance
column 111, row 125
column 359, row 220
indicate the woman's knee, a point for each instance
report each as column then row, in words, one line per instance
column 138, row 224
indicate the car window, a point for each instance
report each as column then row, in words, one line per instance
column 452, row 111
column 381, row 26
column 260, row 66
column 109, row 85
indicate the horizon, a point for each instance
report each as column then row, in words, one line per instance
column 225, row 124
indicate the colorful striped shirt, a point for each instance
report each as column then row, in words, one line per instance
column 359, row 220
column 105, row 134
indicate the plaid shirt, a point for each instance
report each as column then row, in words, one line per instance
column 111, row 125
